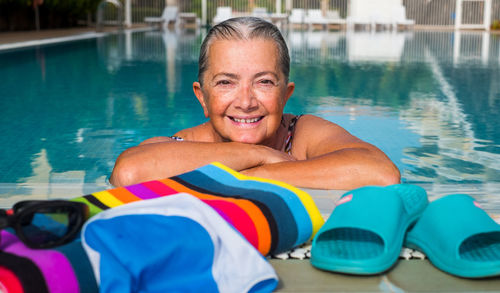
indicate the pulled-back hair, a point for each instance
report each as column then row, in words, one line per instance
column 244, row 28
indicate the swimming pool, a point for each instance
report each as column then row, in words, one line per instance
column 430, row 100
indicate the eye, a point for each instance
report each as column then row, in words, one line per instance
column 223, row 82
column 266, row 82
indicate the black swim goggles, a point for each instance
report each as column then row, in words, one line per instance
column 45, row 223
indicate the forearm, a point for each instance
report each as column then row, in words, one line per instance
column 344, row 169
column 161, row 160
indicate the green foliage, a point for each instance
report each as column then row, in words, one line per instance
column 495, row 25
column 19, row 14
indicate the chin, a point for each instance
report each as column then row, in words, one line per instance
column 246, row 139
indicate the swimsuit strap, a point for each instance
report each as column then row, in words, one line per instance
column 289, row 137
column 178, row 138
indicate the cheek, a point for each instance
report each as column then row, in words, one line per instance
column 217, row 104
column 274, row 103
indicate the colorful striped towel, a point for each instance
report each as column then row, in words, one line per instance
column 271, row 215
column 57, row 270
column 173, row 243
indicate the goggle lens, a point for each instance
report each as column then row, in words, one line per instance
column 45, row 227
column 49, row 226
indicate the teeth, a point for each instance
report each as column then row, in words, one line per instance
column 252, row 120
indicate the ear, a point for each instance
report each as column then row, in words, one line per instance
column 290, row 87
column 198, row 92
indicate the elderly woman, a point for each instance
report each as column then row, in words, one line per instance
column 243, row 88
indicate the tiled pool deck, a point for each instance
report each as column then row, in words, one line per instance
column 295, row 275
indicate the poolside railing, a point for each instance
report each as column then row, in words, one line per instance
column 422, row 14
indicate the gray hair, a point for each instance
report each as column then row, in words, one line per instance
column 244, row 28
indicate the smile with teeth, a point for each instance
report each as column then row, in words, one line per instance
column 246, row 120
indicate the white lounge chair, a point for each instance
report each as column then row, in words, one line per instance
column 362, row 13
column 297, row 16
column 278, row 19
column 333, row 17
column 385, row 13
column 223, row 13
column 315, row 17
column 399, row 17
column 170, row 14
column 189, row 18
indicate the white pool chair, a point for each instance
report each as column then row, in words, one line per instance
column 333, row 18
column 315, row 17
column 361, row 13
column 223, row 13
column 297, row 16
column 170, row 15
column 189, row 18
column 278, row 19
column 399, row 17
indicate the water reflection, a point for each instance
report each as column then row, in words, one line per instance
column 376, row 47
column 431, row 100
column 442, row 74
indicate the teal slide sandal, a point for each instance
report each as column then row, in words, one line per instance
column 365, row 232
column 458, row 237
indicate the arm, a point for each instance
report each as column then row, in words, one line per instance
column 330, row 158
column 164, row 157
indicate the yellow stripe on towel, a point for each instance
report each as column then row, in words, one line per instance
column 306, row 199
column 107, row 199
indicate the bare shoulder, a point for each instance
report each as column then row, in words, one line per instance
column 315, row 135
column 311, row 127
column 200, row 133
column 196, row 133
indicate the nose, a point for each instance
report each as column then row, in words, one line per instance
column 246, row 99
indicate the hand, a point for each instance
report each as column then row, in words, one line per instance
column 270, row 156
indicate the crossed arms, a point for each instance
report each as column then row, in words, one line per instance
column 324, row 156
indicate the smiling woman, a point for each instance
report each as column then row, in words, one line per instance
column 244, row 100
column 243, row 88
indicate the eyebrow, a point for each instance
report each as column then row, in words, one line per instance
column 236, row 76
column 227, row 74
column 267, row 72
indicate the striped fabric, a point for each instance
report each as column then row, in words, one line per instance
column 62, row 269
column 271, row 215
column 172, row 243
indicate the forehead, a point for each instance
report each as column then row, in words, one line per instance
column 243, row 54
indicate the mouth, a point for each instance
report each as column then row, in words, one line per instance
column 246, row 120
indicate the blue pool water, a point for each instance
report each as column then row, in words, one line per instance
column 430, row 100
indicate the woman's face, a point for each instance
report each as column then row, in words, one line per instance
column 244, row 91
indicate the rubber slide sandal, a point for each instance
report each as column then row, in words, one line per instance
column 458, row 237
column 365, row 231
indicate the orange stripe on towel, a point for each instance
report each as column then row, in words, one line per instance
column 259, row 220
column 122, row 194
